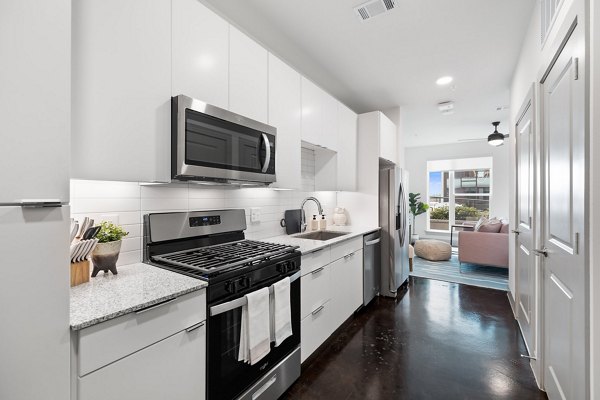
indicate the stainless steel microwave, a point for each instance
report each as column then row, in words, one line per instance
column 209, row 143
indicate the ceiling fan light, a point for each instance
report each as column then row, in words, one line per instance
column 496, row 139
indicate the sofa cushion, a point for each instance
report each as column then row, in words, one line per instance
column 504, row 228
column 491, row 226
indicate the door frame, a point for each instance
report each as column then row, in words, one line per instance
column 531, row 101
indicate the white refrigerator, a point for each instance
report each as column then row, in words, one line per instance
column 393, row 219
column 34, row 199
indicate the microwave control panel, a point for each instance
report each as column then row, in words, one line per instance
column 205, row 221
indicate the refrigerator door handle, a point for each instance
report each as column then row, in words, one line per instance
column 40, row 203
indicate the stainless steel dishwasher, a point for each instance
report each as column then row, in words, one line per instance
column 371, row 266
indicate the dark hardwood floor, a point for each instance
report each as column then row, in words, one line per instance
column 438, row 340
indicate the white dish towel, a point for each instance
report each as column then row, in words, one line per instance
column 255, row 341
column 281, row 312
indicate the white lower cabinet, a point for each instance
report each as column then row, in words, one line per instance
column 173, row 368
column 347, row 293
column 331, row 290
column 154, row 353
column 315, row 329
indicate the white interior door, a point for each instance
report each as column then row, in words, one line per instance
column 563, row 214
column 526, row 276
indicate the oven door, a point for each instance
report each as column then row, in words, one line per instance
column 210, row 143
column 228, row 378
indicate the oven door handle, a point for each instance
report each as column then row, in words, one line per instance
column 233, row 304
column 267, row 153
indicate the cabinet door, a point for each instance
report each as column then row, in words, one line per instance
column 347, row 155
column 347, row 287
column 330, row 122
column 121, row 90
column 173, row 368
column 200, row 58
column 312, row 124
column 315, row 329
column 35, row 54
column 247, row 76
column 387, row 139
column 285, row 114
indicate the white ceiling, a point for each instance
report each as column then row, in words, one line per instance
column 394, row 59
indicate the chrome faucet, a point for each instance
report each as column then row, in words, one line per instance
column 303, row 217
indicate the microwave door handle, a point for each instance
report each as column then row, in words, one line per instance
column 267, row 153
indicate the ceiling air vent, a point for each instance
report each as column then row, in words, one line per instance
column 374, row 8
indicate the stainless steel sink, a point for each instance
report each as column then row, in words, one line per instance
column 321, row 235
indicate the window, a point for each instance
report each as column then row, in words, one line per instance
column 457, row 193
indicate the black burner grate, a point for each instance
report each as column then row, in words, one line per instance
column 224, row 256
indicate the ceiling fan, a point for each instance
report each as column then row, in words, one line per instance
column 494, row 139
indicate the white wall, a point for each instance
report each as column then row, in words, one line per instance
column 416, row 164
column 129, row 201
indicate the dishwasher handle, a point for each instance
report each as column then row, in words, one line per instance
column 372, row 242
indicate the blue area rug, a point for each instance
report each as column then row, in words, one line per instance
column 469, row 274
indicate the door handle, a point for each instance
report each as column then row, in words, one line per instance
column 541, row 252
column 516, row 232
column 267, row 153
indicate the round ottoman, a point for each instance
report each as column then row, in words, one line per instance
column 433, row 250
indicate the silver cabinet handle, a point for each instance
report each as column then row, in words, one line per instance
column 194, row 327
column 39, row 203
column 152, row 307
column 541, row 252
column 318, row 310
column 349, row 255
column 268, row 153
column 316, row 271
column 372, row 242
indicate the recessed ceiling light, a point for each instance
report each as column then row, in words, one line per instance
column 444, row 80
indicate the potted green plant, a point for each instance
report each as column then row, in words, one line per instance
column 417, row 207
column 106, row 252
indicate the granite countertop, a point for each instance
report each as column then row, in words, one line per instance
column 135, row 287
column 308, row 245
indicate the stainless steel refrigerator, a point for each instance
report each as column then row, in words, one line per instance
column 34, row 199
column 393, row 219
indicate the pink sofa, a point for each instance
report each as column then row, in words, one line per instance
column 484, row 248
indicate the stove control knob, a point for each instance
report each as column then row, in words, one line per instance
column 230, row 287
column 244, row 282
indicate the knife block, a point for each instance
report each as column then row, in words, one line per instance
column 80, row 272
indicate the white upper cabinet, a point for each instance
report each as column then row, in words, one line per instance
column 121, row 90
column 387, row 139
column 35, row 54
column 247, row 76
column 347, row 149
column 319, row 116
column 285, row 110
column 330, row 122
column 200, row 59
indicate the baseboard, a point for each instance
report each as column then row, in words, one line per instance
column 511, row 301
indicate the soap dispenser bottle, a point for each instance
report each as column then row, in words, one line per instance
column 314, row 224
column 322, row 223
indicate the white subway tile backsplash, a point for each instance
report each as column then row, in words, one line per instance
column 130, row 201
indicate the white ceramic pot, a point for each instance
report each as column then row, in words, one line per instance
column 339, row 216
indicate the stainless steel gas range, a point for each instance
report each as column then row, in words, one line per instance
column 211, row 245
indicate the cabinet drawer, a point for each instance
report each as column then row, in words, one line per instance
column 315, row 290
column 314, row 260
column 346, row 247
column 112, row 340
column 315, row 329
column 173, row 368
